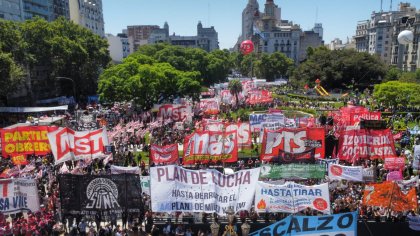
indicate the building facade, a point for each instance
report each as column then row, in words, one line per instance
column 11, row 10
column 270, row 33
column 206, row 38
column 379, row 36
column 119, row 47
column 138, row 35
column 88, row 14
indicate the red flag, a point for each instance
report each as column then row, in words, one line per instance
column 164, row 154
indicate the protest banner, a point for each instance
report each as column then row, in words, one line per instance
column 350, row 173
column 25, row 140
column 255, row 120
column 344, row 224
column 388, row 194
column 178, row 189
column 270, row 125
column 164, row 154
column 145, row 184
column 365, row 143
column 227, row 97
column 18, row 195
column 293, row 145
column 394, row 163
column 259, row 96
column 355, row 117
column 175, row 112
column 414, row 222
column 369, row 174
column 242, row 129
column 394, row 176
column 104, row 194
column 206, row 146
column 209, row 106
column 20, row 160
column 86, row 122
column 115, row 170
column 67, row 144
column 291, row 197
column 293, row 171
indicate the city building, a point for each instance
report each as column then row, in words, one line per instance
column 88, row 13
column 378, row 36
column 206, row 38
column 270, row 33
column 11, row 10
column 138, row 35
column 40, row 8
column 337, row 44
column 119, row 47
column 61, row 8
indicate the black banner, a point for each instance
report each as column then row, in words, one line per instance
column 288, row 158
column 89, row 194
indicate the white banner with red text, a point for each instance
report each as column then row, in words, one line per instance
column 243, row 131
column 350, row 173
column 18, row 195
column 291, row 197
column 175, row 112
column 67, row 144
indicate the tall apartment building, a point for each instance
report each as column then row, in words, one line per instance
column 61, row 8
column 272, row 34
column 11, row 10
column 119, row 47
column 206, row 38
column 19, row 10
column 138, row 35
column 88, row 13
column 378, row 36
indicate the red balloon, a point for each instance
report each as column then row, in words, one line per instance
column 247, row 47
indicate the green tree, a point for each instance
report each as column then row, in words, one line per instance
column 272, row 66
column 11, row 75
column 146, row 82
column 235, row 87
column 340, row 69
column 396, row 93
column 393, row 73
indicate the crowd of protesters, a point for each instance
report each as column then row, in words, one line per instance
column 345, row 197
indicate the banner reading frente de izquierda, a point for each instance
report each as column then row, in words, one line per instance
column 178, row 189
column 344, row 224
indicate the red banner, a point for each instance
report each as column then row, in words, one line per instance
column 389, row 195
column 293, row 141
column 20, row 160
column 365, row 143
column 164, row 154
column 175, row 112
column 259, row 96
column 25, row 140
column 206, row 146
column 356, row 117
column 394, row 163
column 209, row 106
column 243, row 131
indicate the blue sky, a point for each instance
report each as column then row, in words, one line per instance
column 339, row 17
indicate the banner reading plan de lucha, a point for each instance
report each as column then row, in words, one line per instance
column 178, row 189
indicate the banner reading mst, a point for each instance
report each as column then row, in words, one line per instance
column 179, row 189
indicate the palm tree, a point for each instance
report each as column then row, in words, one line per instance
column 235, row 87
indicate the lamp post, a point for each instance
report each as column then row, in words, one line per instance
column 73, row 83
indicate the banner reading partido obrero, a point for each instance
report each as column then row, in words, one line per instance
column 178, row 189
column 206, row 146
column 25, row 140
column 344, row 224
column 291, row 197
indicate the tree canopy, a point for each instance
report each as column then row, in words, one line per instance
column 396, row 93
column 339, row 69
column 55, row 49
column 145, row 81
